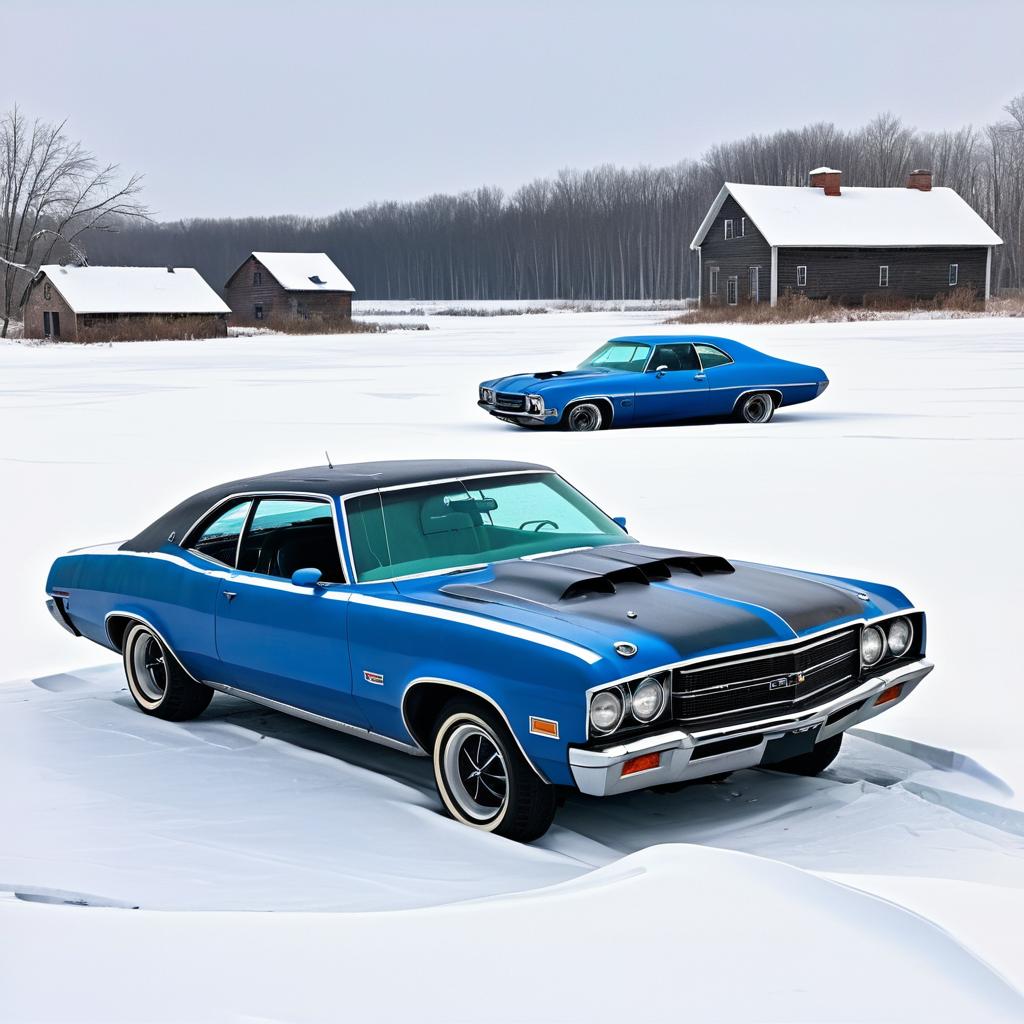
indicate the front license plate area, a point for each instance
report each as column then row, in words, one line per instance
column 792, row 744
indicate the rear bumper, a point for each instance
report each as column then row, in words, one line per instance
column 711, row 751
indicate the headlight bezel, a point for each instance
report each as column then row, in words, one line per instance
column 910, row 636
column 487, row 395
column 873, row 630
column 611, row 691
column 647, row 683
column 535, row 405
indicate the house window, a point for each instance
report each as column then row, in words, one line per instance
column 753, row 282
column 713, row 284
column 51, row 325
column 801, row 277
column 954, row 273
column 743, row 227
column 883, row 276
column 728, row 229
column 732, row 290
column 258, row 311
column 257, row 278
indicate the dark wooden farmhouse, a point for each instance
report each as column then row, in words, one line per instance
column 272, row 286
column 849, row 245
column 122, row 304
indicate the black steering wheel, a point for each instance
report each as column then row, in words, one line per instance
column 539, row 524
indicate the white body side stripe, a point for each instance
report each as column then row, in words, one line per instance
column 465, row 619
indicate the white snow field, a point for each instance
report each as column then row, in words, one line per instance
column 251, row 867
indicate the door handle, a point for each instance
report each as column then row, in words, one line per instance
column 229, row 594
column 700, row 376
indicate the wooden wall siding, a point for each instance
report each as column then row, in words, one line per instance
column 243, row 297
column 151, row 326
column 37, row 304
column 847, row 275
column 735, row 256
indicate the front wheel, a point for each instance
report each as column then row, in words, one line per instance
column 758, row 407
column 159, row 685
column 484, row 779
column 584, row 417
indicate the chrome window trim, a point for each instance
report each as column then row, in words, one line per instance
column 330, row 500
column 449, row 480
column 704, row 368
column 479, row 693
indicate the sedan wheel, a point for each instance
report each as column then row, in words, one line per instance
column 158, row 684
column 484, row 779
column 585, row 416
column 756, row 408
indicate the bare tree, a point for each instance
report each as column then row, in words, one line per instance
column 51, row 192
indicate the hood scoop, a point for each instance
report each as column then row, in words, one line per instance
column 581, row 574
column 548, row 374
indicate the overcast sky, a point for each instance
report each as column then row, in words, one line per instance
column 302, row 106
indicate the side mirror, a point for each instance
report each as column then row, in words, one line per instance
column 660, row 371
column 619, row 521
column 306, row 577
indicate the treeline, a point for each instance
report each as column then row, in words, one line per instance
column 606, row 233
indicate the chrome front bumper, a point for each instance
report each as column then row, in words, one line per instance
column 694, row 755
column 531, row 417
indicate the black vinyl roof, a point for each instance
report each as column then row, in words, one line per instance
column 335, row 481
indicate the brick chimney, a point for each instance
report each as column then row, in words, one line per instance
column 826, row 178
column 921, row 180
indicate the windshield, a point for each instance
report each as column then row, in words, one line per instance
column 433, row 527
column 619, row 355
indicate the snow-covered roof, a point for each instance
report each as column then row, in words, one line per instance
column 789, row 215
column 305, row 271
column 134, row 289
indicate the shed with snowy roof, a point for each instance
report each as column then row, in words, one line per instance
column 122, row 304
column 276, row 286
column 849, row 245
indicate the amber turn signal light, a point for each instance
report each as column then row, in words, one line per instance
column 892, row 693
column 641, row 764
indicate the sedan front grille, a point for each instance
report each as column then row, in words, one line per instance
column 510, row 403
column 773, row 681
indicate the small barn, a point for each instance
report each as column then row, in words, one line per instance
column 122, row 304
column 271, row 286
column 848, row 245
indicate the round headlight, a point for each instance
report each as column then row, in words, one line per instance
column 872, row 645
column 605, row 711
column 900, row 634
column 648, row 700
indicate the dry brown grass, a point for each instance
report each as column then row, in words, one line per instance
column 318, row 323
column 149, row 328
column 792, row 309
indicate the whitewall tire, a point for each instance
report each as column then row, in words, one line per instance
column 157, row 682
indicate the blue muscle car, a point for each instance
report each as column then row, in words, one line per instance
column 657, row 379
column 489, row 616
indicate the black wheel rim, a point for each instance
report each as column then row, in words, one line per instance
column 476, row 772
column 584, row 417
column 150, row 665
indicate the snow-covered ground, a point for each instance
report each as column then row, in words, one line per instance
column 892, row 887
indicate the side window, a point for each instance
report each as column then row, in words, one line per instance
column 801, row 277
column 954, row 273
column 286, row 534
column 674, row 357
column 732, row 290
column 258, row 311
column 711, row 356
column 218, row 538
column 728, row 229
column 257, row 278
column 713, row 281
column 883, row 276
column 743, row 227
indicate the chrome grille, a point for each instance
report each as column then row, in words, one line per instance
column 510, row 403
column 780, row 680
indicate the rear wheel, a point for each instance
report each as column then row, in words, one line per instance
column 159, row 685
column 483, row 778
column 586, row 416
column 814, row 762
column 758, row 407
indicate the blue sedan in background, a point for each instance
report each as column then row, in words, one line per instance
column 488, row 615
column 654, row 379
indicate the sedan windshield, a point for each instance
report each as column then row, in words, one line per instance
column 456, row 524
column 619, row 355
